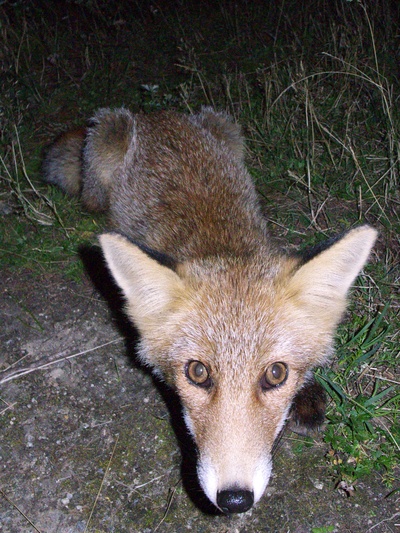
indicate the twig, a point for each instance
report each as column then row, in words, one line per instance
column 169, row 503
column 19, row 510
column 23, row 372
column 9, row 406
column 102, row 483
column 395, row 515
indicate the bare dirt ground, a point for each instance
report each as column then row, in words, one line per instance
column 91, row 443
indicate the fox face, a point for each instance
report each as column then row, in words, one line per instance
column 237, row 339
column 236, row 379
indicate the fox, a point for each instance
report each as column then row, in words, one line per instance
column 235, row 325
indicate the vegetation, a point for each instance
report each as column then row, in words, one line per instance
column 315, row 85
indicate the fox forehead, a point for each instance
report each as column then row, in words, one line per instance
column 241, row 329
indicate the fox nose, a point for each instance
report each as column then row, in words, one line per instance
column 235, row 501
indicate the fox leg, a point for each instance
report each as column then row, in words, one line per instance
column 308, row 408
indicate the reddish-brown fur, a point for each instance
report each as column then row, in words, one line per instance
column 220, row 311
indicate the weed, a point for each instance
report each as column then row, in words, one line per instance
column 363, row 428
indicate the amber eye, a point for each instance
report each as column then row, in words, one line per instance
column 274, row 376
column 198, row 374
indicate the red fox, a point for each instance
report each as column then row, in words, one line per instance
column 229, row 321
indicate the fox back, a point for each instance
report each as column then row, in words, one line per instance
column 234, row 325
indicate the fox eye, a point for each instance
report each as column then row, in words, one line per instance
column 274, row 376
column 198, row 374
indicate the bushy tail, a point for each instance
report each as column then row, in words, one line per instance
column 83, row 161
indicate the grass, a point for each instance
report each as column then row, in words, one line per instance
column 363, row 426
column 316, row 89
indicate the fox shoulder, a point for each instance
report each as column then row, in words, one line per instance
column 223, row 128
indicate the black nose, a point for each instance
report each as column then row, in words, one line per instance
column 235, row 501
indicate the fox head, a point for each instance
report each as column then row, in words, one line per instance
column 237, row 338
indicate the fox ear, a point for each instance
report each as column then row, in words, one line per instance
column 320, row 286
column 223, row 128
column 152, row 290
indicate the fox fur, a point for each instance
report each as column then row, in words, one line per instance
column 232, row 323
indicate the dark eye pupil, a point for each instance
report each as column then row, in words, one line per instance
column 277, row 372
column 199, row 370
